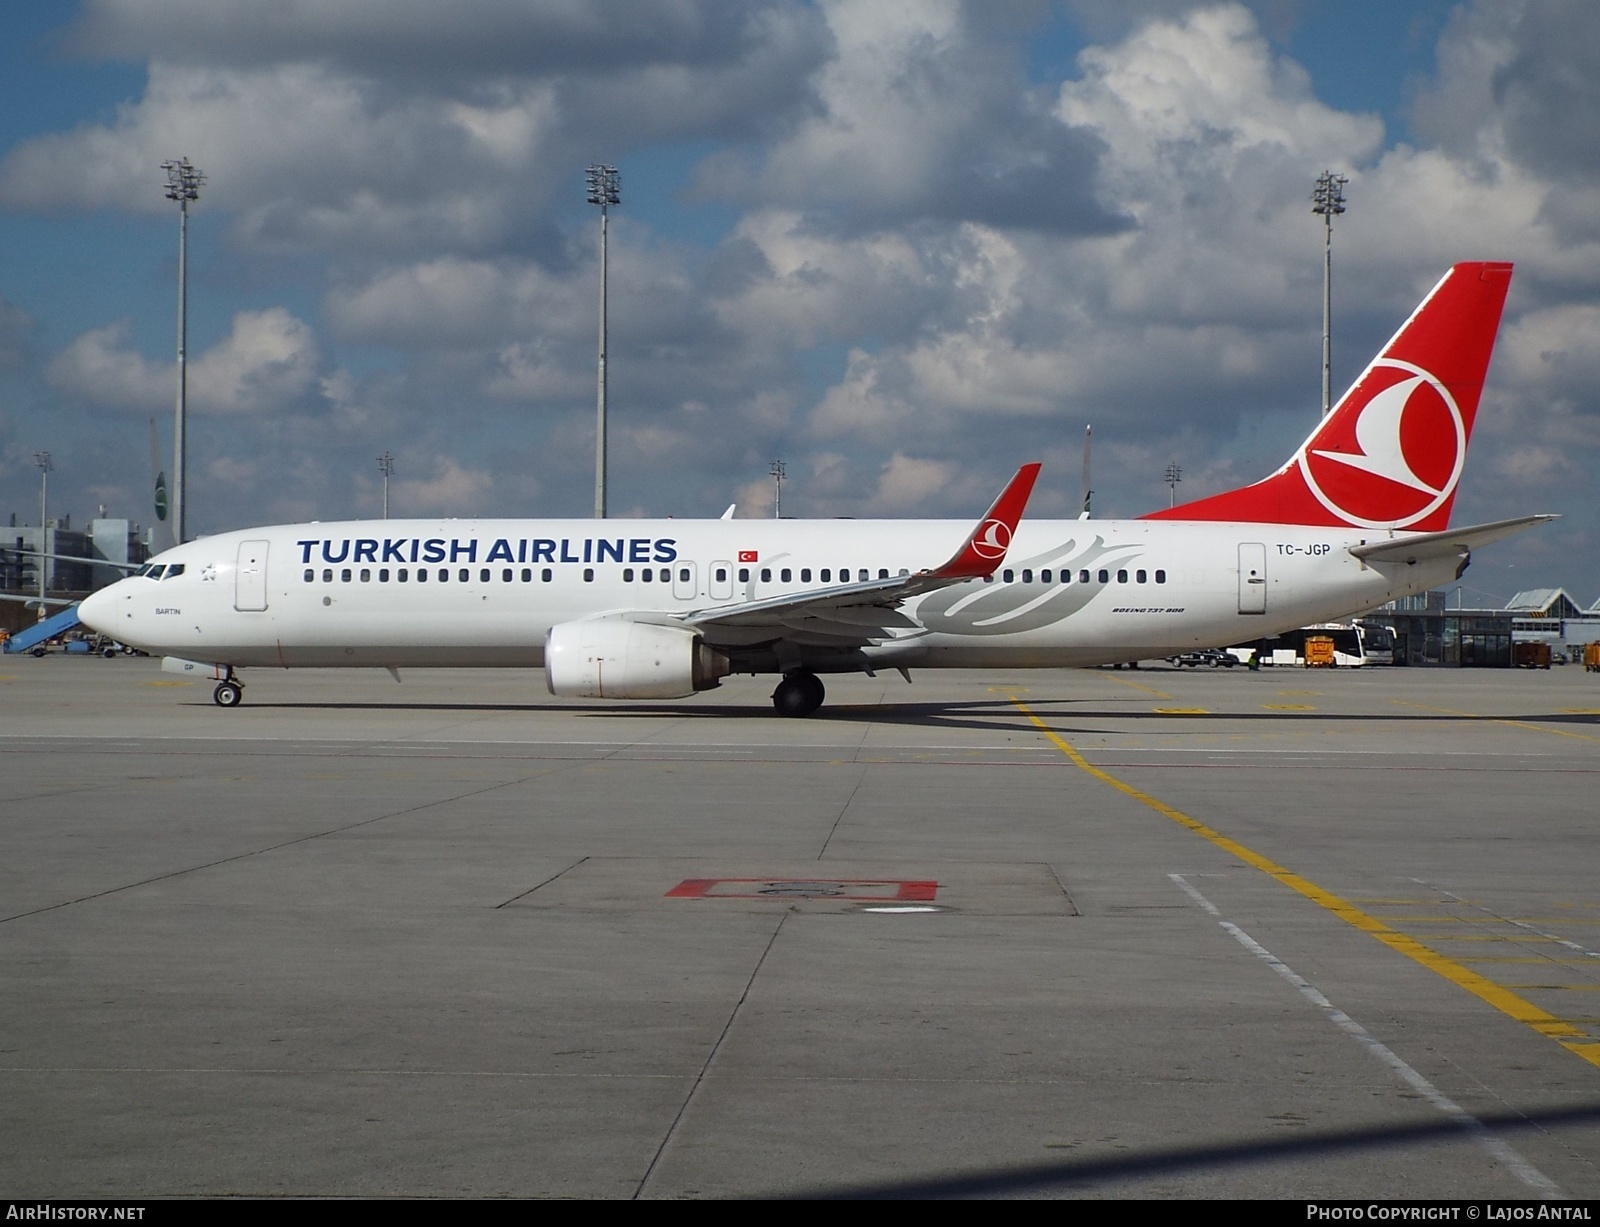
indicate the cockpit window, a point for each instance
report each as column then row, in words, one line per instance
column 154, row 572
column 175, row 570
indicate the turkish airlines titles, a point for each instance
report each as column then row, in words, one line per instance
column 502, row 549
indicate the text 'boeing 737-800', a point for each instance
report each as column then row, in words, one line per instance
column 660, row 609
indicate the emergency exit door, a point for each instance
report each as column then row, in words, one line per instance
column 1252, row 578
column 250, row 577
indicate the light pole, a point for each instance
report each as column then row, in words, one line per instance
column 183, row 185
column 42, row 459
column 603, row 184
column 1326, row 201
column 386, row 467
column 776, row 471
column 1172, row 477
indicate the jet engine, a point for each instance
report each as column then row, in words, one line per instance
column 613, row 658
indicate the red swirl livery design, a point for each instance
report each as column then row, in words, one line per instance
column 649, row 610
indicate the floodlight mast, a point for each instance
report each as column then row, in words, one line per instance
column 183, row 185
column 1173, row 476
column 776, row 472
column 42, row 460
column 1326, row 201
column 603, row 182
column 386, row 467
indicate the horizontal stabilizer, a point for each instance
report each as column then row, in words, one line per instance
column 1427, row 546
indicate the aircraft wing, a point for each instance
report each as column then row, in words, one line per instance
column 1451, row 543
column 856, row 613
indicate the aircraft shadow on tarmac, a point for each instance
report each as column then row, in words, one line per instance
column 983, row 714
column 1174, row 1161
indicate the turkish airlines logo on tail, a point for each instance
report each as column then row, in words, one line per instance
column 991, row 540
column 1393, row 454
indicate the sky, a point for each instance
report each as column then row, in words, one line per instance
column 903, row 248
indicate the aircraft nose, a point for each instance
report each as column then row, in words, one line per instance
column 96, row 610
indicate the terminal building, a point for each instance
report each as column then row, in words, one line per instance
column 75, row 561
column 1428, row 631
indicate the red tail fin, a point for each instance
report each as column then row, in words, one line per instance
column 1390, row 453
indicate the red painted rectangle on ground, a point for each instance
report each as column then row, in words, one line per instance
column 863, row 890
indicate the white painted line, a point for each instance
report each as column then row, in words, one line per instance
column 1498, row 1147
column 1520, row 924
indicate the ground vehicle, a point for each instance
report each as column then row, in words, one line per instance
column 1289, row 648
column 1530, row 655
column 1591, row 657
column 1214, row 657
column 1319, row 653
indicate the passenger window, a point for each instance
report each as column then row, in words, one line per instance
column 1027, row 576
column 1141, row 576
column 344, row 576
column 422, row 576
column 505, row 576
column 785, row 575
column 883, row 572
column 527, row 575
column 827, row 575
column 383, row 575
column 989, row 579
column 1044, row 577
column 766, row 575
column 467, row 575
column 366, row 575
column 1161, row 577
column 1122, row 577
column 627, row 575
column 444, row 575
column 544, row 575
column 863, row 575
column 903, row 572
column 310, row 575
column 647, row 575
column 402, row 575
column 805, row 575
column 683, row 575
column 1105, row 577
column 1009, row 577
column 722, row 575
column 1083, row 577
column 588, row 575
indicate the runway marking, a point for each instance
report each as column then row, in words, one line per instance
column 1501, row 1150
column 1288, row 707
column 1315, row 693
column 1181, row 711
column 1516, row 724
column 1491, row 917
column 1160, row 694
column 1564, row 1033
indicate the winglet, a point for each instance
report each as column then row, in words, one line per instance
column 985, row 547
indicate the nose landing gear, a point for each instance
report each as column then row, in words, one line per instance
column 228, row 693
column 799, row 693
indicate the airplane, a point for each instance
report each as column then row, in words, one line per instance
column 661, row 609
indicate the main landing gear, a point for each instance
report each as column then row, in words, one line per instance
column 229, row 693
column 799, row 694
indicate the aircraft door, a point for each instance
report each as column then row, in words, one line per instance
column 721, row 581
column 684, row 584
column 250, row 577
column 1252, row 578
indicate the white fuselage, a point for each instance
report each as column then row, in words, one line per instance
column 485, row 592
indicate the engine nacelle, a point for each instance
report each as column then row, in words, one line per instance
column 613, row 658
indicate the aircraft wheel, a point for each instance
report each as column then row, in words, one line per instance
column 228, row 694
column 41, row 650
column 798, row 694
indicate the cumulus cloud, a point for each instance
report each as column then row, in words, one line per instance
column 451, row 489
column 267, row 362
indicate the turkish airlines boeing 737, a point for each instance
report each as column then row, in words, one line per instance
column 652, row 609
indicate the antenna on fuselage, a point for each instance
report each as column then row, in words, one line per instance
column 1088, row 492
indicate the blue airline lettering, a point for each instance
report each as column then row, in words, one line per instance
column 522, row 549
column 305, row 550
column 500, row 551
column 588, row 549
column 666, row 549
column 544, row 550
column 638, row 549
column 470, row 549
column 603, row 547
column 566, row 548
column 433, row 549
column 392, row 549
column 329, row 556
column 366, row 550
